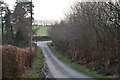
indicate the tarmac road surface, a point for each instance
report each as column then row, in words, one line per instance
column 57, row 68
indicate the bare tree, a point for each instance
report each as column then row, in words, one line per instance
column 89, row 29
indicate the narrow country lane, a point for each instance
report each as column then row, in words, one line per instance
column 57, row 68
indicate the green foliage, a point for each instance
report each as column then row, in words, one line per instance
column 7, row 29
column 39, row 61
column 23, row 24
column 34, row 74
column 37, row 73
column 16, row 26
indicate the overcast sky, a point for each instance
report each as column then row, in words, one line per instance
column 50, row 9
column 47, row 9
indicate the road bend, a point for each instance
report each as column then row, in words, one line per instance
column 57, row 68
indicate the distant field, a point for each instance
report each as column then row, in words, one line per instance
column 43, row 30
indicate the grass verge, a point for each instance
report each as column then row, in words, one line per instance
column 37, row 65
column 77, row 67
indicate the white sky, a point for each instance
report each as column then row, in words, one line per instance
column 47, row 9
